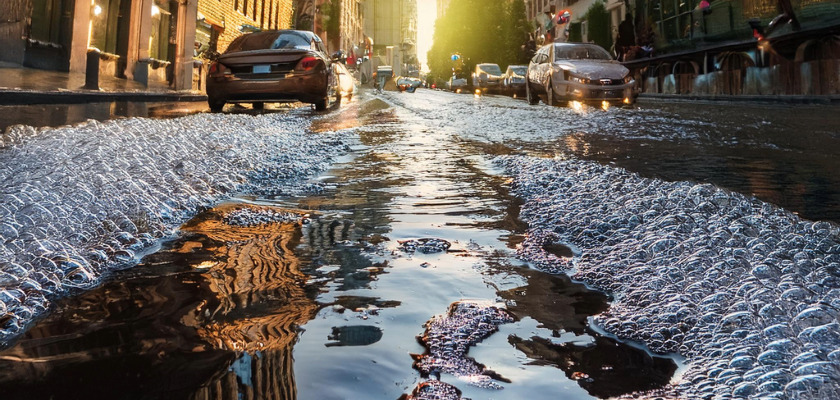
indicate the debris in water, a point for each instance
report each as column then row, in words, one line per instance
column 425, row 245
column 448, row 338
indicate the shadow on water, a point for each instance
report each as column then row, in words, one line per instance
column 602, row 366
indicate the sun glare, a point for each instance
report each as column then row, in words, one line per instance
column 426, row 16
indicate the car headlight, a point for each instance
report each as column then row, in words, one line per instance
column 628, row 79
column 578, row 79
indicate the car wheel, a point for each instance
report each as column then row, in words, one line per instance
column 322, row 104
column 258, row 105
column 215, row 105
column 532, row 98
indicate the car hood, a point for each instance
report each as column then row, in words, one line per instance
column 594, row 69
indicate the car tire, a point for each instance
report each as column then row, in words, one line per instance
column 529, row 95
column 258, row 105
column 215, row 105
column 323, row 104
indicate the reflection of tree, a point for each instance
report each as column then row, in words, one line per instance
column 215, row 316
column 258, row 286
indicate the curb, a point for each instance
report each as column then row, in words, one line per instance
column 32, row 97
column 787, row 99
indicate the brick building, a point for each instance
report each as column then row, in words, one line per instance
column 221, row 21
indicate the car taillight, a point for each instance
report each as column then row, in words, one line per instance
column 216, row 69
column 307, row 63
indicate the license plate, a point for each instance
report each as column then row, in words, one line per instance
column 262, row 69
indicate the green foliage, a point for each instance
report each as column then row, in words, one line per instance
column 598, row 24
column 332, row 21
column 480, row 31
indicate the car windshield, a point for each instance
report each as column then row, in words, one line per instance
column 580, row 52
column 491, row 69
column 518, row 70
column 271, row 40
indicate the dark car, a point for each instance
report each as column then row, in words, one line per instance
column 487, row 77
column 273, row 66
column 577, row 71
column 513, row 81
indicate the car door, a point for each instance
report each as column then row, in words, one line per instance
column 543, row 67
column 536, row 68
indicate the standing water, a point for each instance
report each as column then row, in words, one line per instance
column 402, row 272
column 396, row 275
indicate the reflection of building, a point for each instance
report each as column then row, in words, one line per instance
column 216, row 315
column 392, row 24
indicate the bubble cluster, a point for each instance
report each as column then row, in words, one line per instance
column 79, row 200
column 748, row 292
column 425, row 245
column 254, row 216
column 448, row 338
column 434, row 390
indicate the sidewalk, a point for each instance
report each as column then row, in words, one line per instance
column 25, row 86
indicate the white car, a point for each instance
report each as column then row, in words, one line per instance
column 577, row 71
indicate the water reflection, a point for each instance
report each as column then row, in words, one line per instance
column 213, row 315
column 69, row 114
column 604, row 368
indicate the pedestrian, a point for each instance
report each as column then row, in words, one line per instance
column 626, row 38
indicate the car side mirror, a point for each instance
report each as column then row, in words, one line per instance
column 211, row 55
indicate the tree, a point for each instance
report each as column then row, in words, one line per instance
column 598, row 22
column 479, row 31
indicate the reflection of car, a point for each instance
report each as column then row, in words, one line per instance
column 513, row 81
column 273, row 66
column 577, row 71
column 487, row 77
column 456, row 84
column 408, row 84
column 346, row 84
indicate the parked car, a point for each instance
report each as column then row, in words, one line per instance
column 273, row 66
column 408, row 84
column 577, row 71
column 513, row 81
column 487, row 77
column 456, row 84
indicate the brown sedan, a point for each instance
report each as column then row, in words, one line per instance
column 275, row 67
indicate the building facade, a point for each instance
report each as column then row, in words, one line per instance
column 144, row 40
column 221, row 21
column 392, row 26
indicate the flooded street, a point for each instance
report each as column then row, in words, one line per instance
column 408, row 261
